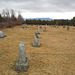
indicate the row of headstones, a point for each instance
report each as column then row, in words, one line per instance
column 66, row 26
column 2, row 35
column 63, row 26
column 52, row 25
column 36, row 43
column 22, row 63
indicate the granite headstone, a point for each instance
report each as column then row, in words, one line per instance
column 2, row 34
column 22, row 63
column 36, row 43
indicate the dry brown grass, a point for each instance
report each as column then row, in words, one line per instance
column 55, row 56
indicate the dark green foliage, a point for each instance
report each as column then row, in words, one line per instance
column 13, row 18
column 34, row 21
column 4, row 19
column 1, row 18
column 73, row 21
column 44, row 22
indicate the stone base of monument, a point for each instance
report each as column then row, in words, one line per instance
column 36, row 34
column 2, row 36
column 38, row 37
column 36, row 44
column 22, row 66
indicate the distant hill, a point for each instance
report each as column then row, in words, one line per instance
column 49, row 19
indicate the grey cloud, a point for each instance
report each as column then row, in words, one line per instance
column 39, row 5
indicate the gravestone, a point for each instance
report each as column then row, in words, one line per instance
column 24, row 26
column 54, row 26
column 36, row 34
column 40, row 26
column 38, row 30
column 22, row 63
column 36, row 43
column 10, row 26
column 68, row 27
column 64, row 26
column 46, row 24
column 2, row 35
column 45, row 29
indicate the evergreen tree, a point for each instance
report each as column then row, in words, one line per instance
column 73, row 21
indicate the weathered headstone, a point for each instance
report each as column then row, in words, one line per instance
column 45, row 29
column 68, row 27
column 10, row 26
column 38, row 30
column 22, row 63
column 40, row 26
column 2, row 35
column 24, row 26
column 46, row 24
column 54, row 26
column 36, row 34
column 36, row 43
column 64, row 26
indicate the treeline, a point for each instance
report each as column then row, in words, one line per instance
column 8, row 17
column 52, row 22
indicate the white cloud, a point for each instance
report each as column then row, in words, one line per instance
column 40, row 5
column 53, row 15
column 58, row 9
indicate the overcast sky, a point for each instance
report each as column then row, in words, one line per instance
column 58, row 9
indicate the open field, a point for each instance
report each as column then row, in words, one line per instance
column 55, row 56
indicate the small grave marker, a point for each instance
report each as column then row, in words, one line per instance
column 40, row 26
column 64, row 26
column 24, row 26
column 68, row 27
column 2, row 35
column 36, row 43
column 45, row 29
column 38, row 30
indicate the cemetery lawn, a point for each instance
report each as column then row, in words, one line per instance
column 55, row 56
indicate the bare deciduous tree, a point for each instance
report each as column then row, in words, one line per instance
column 12, row 15
column 3, row 13
column 20, row 18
